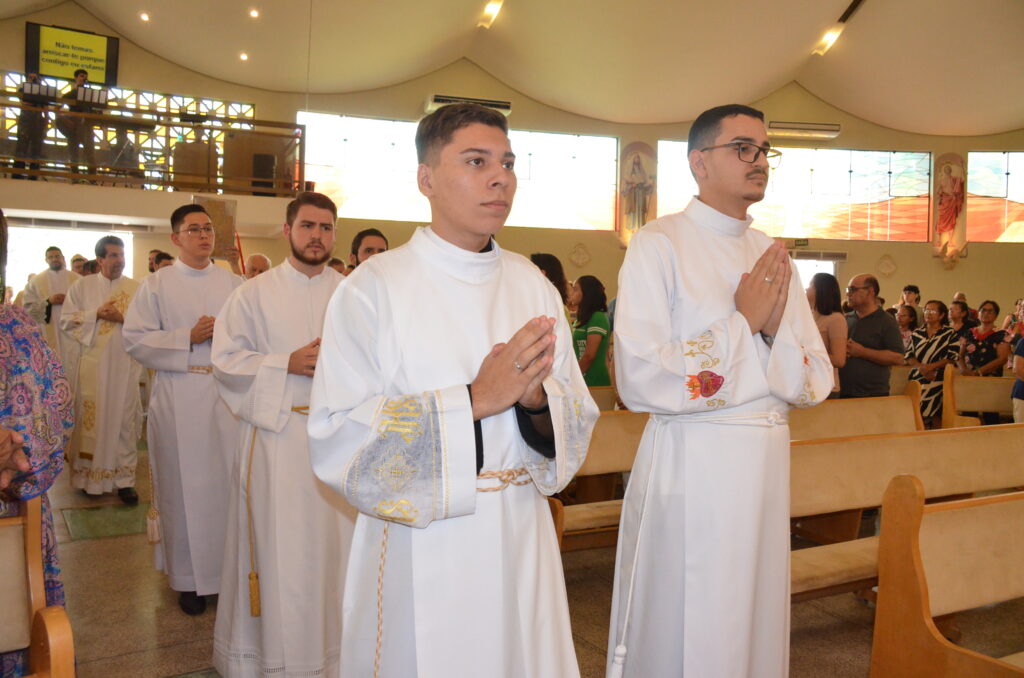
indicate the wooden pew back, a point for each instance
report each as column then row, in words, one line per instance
column 859, row 416
column 604, row 396
column 851, row 473
column 940, row 558
column 973, row 394
column 614, row 442
column 899, row 376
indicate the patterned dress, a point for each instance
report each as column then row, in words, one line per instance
column 35, row 401
column 982, row 348
column 943, row 345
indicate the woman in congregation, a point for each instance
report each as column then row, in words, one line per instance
column 1011, row 323
column 932, row 347
column 826, row 309
column 984, row 351
column 552, row 269
column 960, row 318
column 590, row 333
column 906, row 318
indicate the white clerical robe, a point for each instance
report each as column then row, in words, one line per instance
column 37, row 293
column 300, row 529
column 704, row 539
column 108, row 408
column 450, row 575
column 192, row 434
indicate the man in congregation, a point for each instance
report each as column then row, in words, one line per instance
column 715, row 339
column 191, row 432
column 44, row 301
column 284, row 524
column 163, row 260
column 256, row 264
column 366, row 244
column 152, row 260
column 874, row 343
column 108, row 409
column 78, row 264
column 445, row 424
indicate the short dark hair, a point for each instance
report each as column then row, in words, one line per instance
column 593, row 299
column 962, row 305
column 944, row 318
column 310, row 198
column 81, row 71
column 913, row 315
column 913, row 288
column 101, row 245
column 51, row 248
column 151, row 251
column 552, row 268
column 435, row 131
column 178, row 215
column 358, row 240
column 92, row 266
column 161, row 257
column 872, row 282
column 708, row 125
column 335, row 261
column 827, row 299
column 988, row 301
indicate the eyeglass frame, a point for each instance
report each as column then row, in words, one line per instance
column 850, row 289
column 194, row 231
column 769, row 153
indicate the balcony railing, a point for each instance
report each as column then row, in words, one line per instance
column 132, row 147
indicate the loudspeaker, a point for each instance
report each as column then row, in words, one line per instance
column 264, row 166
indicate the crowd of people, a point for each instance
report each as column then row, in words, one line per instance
column 354, row 455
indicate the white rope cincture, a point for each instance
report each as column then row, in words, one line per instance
column 767, row 419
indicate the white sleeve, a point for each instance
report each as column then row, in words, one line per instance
column 252, row 383
column 77, row 319
column 145, row 338
column 408, row 458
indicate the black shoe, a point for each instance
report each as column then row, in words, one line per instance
column 191, row 604
column 128, row 495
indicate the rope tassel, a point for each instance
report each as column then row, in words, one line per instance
column 618, row 662
column 153, row 525
column 254, row 594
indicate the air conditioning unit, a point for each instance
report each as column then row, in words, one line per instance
column 803, row 130
column 436, row 101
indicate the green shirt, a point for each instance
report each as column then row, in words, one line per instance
column 597, row 375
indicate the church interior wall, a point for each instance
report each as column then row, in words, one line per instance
column 989, row 270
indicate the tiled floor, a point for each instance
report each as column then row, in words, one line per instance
column 127, row 623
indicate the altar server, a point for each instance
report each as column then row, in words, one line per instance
column 279, row 611
column 446, row 404
column 714, row 338
column 191, row 432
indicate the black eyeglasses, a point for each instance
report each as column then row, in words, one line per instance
column 750, row 152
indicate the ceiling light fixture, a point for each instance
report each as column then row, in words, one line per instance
column 833, row 33
column 144, row 16
column 254, row 13
column 243, row 56
column 490, row 13
column 829, row 39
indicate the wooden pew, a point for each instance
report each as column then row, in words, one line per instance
column 851, row 417
column 938, row 559
column 604, row 396
column 899, row 375
column 25, row 620
column 973, row 394
column 852, row 473
column 613, row 447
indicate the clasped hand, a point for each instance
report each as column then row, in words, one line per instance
column 109, row 312
column 762, row 294
column 514, row 372
column 302, row 361
column 12, row 456
column 203, row 329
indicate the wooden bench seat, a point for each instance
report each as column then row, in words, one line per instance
column 848, row 473
column 937, row 559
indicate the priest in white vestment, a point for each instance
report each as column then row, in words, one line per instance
column 192, row 434
column 108, row 408
column 284, row 525
column 713, row 337
column 44, row 301
column 446, row 404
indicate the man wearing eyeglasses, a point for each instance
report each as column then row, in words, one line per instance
column 192, row 433
column 715, row 339
column 874, row 343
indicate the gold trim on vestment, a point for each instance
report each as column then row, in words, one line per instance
column 200, row 369
column 301, row 409
column 506, row 477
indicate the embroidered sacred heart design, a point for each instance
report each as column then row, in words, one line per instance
column 704, row 384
